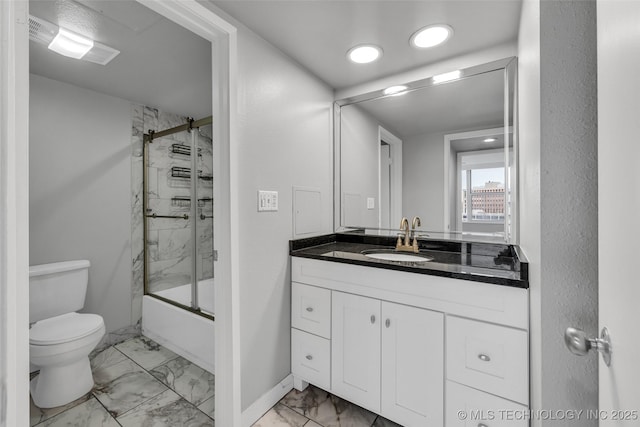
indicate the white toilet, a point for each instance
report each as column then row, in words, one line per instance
column 60, row 339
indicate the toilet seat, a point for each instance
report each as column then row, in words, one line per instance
column 64, row 328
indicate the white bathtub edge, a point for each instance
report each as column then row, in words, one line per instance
column 186, row 334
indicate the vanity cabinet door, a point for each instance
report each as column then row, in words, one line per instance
column 412, row 365
column 355, row 352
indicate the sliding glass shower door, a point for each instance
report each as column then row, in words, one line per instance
column 178, row 213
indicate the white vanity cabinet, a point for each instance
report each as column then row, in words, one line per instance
column 382, row 339
column 383, row 358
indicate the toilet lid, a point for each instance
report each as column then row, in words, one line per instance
column 64, row 328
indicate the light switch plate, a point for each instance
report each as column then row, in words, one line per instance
column 371, row 203
column 267, row 201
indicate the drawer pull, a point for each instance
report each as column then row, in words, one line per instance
column 309, row 309
column 309, row 357
column 387, row 323
column 484, row 358
column 482, row 425
column 373, row 319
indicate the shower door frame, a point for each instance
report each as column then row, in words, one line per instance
column 147, row 139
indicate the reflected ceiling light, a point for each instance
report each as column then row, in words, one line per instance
column 490, row 140
column 365, row 53
column 431, row 36
column 447, row 77
column 396, row 90
column 70, row 44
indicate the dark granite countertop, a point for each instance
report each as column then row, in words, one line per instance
column 496, row 263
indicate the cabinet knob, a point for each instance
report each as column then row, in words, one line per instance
column 373, row 319
column 387, row 323
column 309, row 357
column 484, row 358
column 309, row 309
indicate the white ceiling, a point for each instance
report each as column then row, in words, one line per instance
column 161, row 64
column 318, row 33
column 476, row 102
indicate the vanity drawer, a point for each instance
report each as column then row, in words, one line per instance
column 488, row 357
column 311, row 358
column 467, row 407
column 311, row 309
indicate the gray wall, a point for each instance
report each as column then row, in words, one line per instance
column 558, row 106
column 423, row 179
column 359, row 168
column 285, row 140
column 79, row 190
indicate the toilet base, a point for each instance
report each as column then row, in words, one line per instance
column 59, row 385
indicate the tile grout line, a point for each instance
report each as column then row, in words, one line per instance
column 155, row 378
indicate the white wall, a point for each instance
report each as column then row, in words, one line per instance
column 557, row 95
column 529, row 179
column 360, row 163
column 569, row 200
column 423, row 179
column 285, row 138
column 80, row 190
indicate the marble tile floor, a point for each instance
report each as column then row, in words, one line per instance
column 141, row 383
column 314, row 407
column 138, row 383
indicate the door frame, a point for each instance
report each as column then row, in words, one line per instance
column 395, row 198
column 14, row 205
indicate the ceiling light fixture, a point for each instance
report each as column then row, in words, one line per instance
column 363, row 54
column 490, row 140
column 70, row 44
column 447, row 77
column 430, row 36
column 396, row 90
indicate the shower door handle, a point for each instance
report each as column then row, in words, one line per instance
column 185, row 216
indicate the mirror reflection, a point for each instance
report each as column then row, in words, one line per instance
column 444, row 152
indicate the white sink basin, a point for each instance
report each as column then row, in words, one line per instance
column 397, row 256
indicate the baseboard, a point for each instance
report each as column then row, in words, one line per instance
column 266, row 401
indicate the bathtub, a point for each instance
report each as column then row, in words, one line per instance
column 181, row 331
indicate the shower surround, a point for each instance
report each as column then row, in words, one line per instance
column 168, row 239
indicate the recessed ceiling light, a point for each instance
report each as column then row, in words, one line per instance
column 447, row 77
column 431, row 36
column 396, row 90
column 363, row 54
column 490, row 140
column 70, row 44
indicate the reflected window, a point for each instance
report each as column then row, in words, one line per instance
column 482, row 187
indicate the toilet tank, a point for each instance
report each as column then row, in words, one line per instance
column 57, row 288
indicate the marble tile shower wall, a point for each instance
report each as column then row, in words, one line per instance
column 169, row 240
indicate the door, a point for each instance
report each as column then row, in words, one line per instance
column 618, row 207
column 355, row 352
column 412, row 365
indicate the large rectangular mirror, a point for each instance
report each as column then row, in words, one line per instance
column 443, row 148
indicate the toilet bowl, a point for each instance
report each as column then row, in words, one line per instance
column 60, row 347
column 60, row 339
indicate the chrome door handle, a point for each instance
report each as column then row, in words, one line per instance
column 484, row 357
column 579, row 344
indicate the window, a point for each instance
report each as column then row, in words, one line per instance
column 482, row 187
